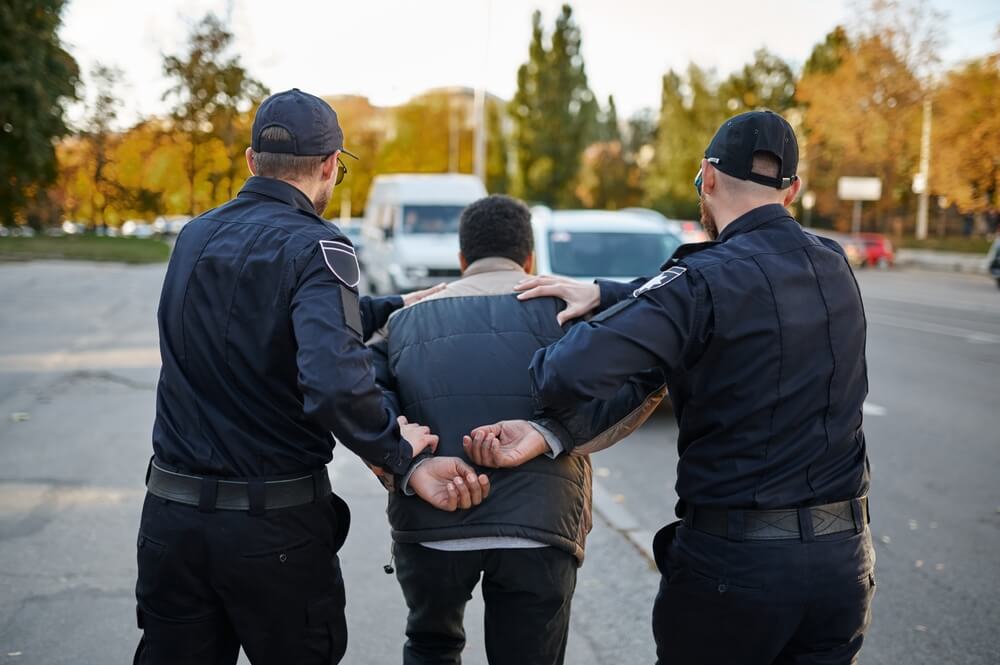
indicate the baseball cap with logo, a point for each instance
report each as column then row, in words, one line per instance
column 311, row 123
column 734, row 145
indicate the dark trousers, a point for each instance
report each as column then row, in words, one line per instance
column 762, row 602
column 527, row 593
column 211, row 582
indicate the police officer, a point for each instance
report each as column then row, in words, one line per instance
column 261, row 338
column 760, row 334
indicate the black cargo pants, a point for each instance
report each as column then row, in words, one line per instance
column 762, row 602
column 210, row 582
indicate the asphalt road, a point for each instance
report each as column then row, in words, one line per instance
column 78, row 366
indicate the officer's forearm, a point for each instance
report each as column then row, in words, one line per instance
column 613, row 292
column 375, row 312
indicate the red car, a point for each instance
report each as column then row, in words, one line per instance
column 879, row 250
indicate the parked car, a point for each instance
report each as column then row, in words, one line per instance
column 410, row 230
column 994, row 261
column 878, row 250
column 854, row 247
column 686, row 230
column 72, row 228
column 589, row 244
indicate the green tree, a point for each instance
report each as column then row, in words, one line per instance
column 640, row 130
column 553, row 113
column 690, row 113
column 767, row 82
column 829, row 53
column 609, row 179
column 497, row 180
column 214, row 97
column 37, row 79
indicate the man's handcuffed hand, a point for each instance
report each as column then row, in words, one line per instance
column 581, row 297
column 507, row 443
column 448, row 484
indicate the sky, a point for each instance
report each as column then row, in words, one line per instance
column 390, row 50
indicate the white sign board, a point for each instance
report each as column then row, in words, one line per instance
column 859, row 189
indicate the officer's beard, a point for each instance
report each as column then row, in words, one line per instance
column 320, row 203
column 708, row 220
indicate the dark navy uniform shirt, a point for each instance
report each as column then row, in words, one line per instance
column 261, row 342
column 761, row 336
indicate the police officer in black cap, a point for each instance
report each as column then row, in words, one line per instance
column 760, row 334
column 261, row 338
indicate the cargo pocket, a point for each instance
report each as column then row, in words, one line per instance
column 149, row 557
column 661, row 544
column 328, row 613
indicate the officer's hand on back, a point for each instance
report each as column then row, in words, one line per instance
column 417, row 296
column 418, row 436
column 581, row 297
column 448, row 483
column 507, row 443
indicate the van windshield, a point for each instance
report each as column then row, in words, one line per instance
column 431, row 218
column 609, row 254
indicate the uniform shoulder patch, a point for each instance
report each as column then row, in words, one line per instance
column 342, row 261
column 663, row 278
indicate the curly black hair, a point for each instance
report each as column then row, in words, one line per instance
column 496, row 226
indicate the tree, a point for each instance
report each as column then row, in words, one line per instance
column 553, row 113
column 497, row 180
column 828, row 54
column 690, row 113
column 37, row 79
column 98, row 132
column 862, row 119
column 767, row 82
column 212, row 92
column 641, row 130
column 609, row 179
column 966, row 136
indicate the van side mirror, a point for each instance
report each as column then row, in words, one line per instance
column 387, row 233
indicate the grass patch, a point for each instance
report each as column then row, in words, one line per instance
column 946, row 244
column 85, row 248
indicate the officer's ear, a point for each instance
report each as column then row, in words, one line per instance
column 250, row 164
column 462, row 263
column 328, row 167
column 792, row 192
column 709, row 177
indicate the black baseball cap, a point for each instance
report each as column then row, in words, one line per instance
column 733, row 147
column 311, row 122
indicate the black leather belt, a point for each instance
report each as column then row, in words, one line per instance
column 255, row 496
column 790, row 524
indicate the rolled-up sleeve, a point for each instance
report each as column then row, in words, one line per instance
column 335, row 373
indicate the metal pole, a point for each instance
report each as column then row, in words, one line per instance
column 925, row 162
column 856, row 218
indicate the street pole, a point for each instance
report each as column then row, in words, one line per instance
column 856, row 218
column 925, row 161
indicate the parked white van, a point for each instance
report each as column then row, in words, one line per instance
column 410, row 229
column 591, row 244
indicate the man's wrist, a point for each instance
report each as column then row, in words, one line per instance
column 404, row 484
column 551, row 440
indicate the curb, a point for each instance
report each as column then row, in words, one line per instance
column 618, row 517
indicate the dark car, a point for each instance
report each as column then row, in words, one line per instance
column 878, row 250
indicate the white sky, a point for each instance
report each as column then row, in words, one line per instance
column 389, row 50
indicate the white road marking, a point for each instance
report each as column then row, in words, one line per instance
column 870, row 409
column 974, row 336
column 65, row 361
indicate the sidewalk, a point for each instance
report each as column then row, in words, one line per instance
column 929, row 259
